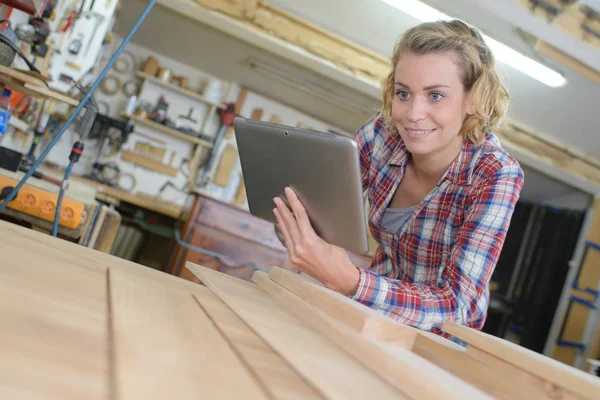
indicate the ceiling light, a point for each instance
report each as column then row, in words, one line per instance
column 502, row 53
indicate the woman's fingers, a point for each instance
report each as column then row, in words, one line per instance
column 289, row 244
column 278, row 232
column 300, row 212
column 288, row 220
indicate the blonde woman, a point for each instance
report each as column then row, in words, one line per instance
column 441, row 188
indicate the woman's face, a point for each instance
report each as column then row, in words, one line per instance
column 430, row 103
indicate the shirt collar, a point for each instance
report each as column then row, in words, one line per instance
column 459, row 172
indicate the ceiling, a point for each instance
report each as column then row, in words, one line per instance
column 566, row 114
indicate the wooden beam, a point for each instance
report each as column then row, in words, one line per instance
column 413, row 375
column 329, row 368
column 480, row 375
column 521, row 378
column 552, row 52
column 277, row 377
column 355, row 315
column 546, row 368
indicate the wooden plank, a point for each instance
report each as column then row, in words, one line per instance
column 162, row 207
column 84, row 257
column 329, row 368
column 229, row 157
column 168, row 131
column 521, row 377
column 583, row 69
column 148, row 163
column 186, row 92
column 477, row 373
column 54, row 335
column 410, row 373
column 165, row 344
column 550, row 370
column 355, row 315
column 277, row 376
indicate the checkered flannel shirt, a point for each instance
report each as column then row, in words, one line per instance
column 438, row 266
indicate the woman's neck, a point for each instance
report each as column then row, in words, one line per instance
column 431, row 167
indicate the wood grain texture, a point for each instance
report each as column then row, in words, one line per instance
column 477, row 373
column 229, row 157
column 334, row 372
column 84, row 257
column 408, row 372
column 522, row 378
column 165, row 344
column 148, row 163
column 355, row 315
column 54, row 326
column 277, row 376
column 550, row 370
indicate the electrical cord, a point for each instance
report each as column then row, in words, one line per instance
column 61, row 193
column 218, row 256
column 16, row 48
column 81, row 104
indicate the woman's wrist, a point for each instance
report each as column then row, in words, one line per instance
column 347, row 281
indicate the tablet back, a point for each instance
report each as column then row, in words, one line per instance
column 322, row 168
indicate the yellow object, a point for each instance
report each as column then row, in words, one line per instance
column 42, row 204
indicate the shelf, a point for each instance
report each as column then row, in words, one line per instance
column 175, row 88
column 18, row 123
column 148, row 163
column 168, row 131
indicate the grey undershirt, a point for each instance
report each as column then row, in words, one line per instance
column 394, row 218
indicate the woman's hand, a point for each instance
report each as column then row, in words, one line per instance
column 309, row 253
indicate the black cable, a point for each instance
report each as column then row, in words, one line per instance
column 13, row 46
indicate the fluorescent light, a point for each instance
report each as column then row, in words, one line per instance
column 502, row 53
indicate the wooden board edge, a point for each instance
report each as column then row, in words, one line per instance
column 550, row 370
column 410, row 373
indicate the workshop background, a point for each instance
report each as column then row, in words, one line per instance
column 160, row 170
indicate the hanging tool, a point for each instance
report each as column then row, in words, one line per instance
column 38, row 133
column 227, row 115
column 98, row 19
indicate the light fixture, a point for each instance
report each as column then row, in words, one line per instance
column 502, row 53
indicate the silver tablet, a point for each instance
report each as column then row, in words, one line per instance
column 322, row 168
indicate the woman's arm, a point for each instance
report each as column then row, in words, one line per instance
column 467, row 269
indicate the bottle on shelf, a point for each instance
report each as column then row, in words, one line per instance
column 5, row 112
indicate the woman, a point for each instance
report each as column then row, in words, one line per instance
column 441, row 188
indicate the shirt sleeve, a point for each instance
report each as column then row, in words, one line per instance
column 467, row 270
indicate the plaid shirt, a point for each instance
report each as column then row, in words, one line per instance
column 438, row 266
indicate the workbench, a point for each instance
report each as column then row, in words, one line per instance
column 100, row 225
column 108, row 193
column 81, row 324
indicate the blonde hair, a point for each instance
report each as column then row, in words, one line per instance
column 475, row 61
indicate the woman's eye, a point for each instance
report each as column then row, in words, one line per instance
column 403, row 94
column 436, row 96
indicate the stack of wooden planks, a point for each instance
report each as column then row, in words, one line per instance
column 78, row 323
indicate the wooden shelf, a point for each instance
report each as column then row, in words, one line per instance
column 175, row 88
column 148, row 163
column 168, row 131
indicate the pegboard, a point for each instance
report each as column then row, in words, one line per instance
column 78, row 48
